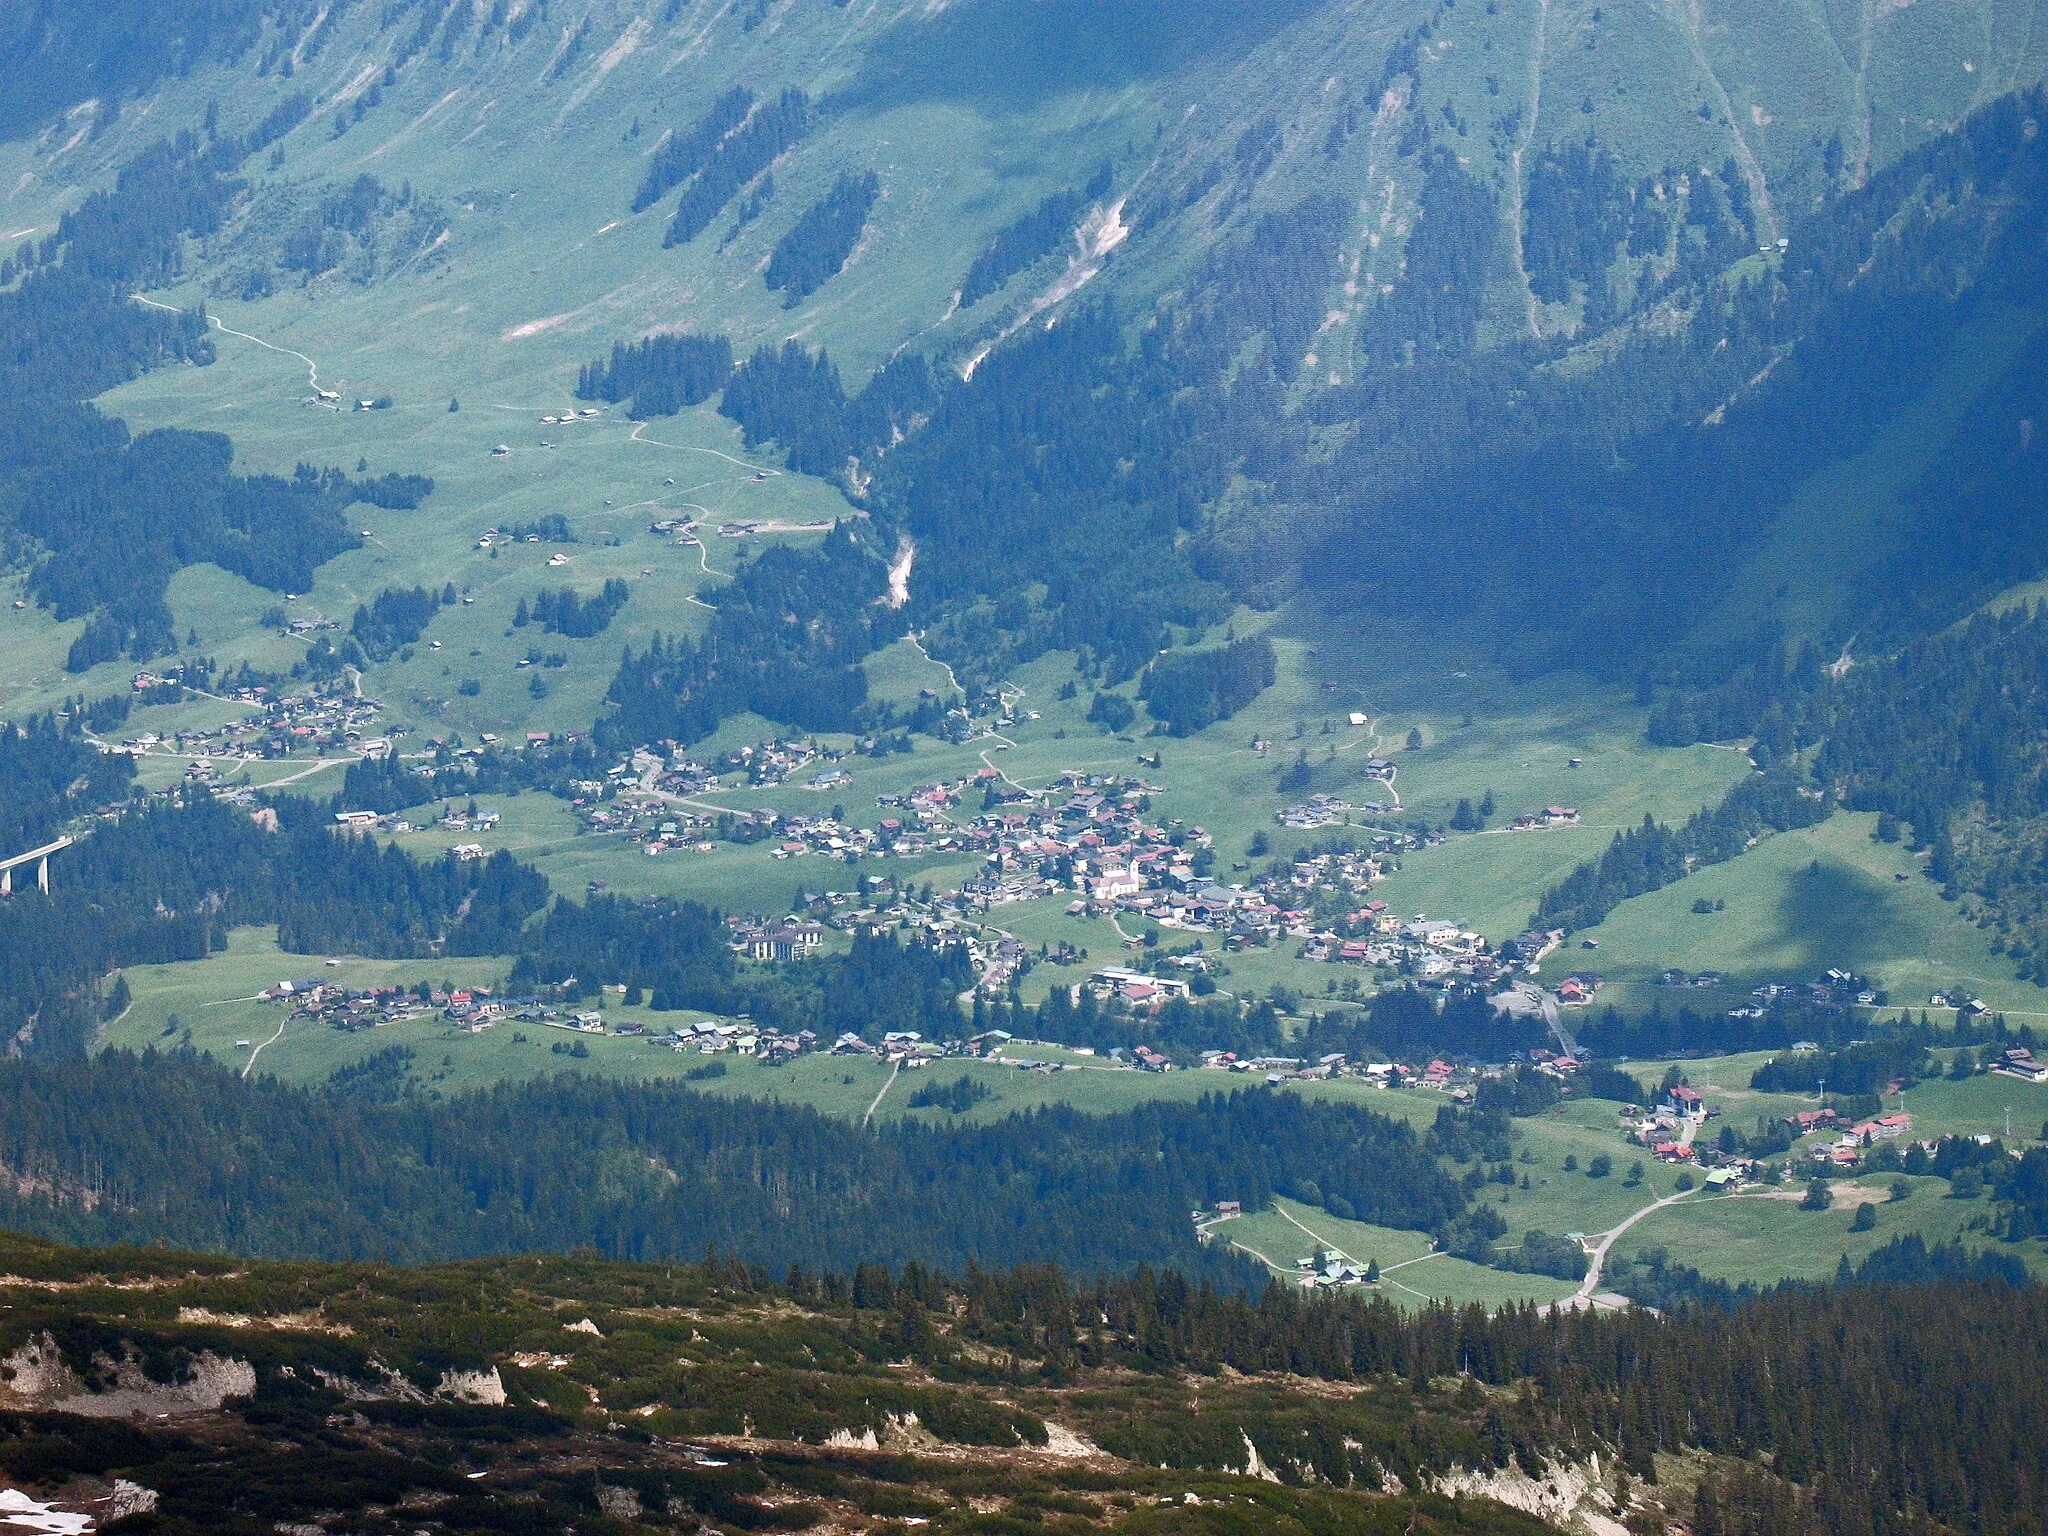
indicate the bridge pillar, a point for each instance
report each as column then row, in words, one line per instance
column 43, row 874
column 6, row 882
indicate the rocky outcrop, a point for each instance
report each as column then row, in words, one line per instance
column 484, row 1388
column 1571, row 1495
column 37, row 1377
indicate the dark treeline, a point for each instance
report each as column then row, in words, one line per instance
column 1408, row 1024
column 48, row 776
column 1943, row 739
column 1534, row 468
column 1062, row 443
column 675, row 955
column 1190, row 690
column 1028, row 238
column 1650, row 857
column 1865, row 1067
column 167, row 881
column 1581, row 214
column 752, row 657
column 1813, row 1380
column 674, row 951
column 393, row 783
column 1437, row 302
column 1181, row 1029
column 396, row 618
column 186, row 1152
column 52, row 57
column 1080, row 438
column 817, row 245
column 793, row 398
column 660, row 375
column 683, row 154
column 1651, row 1278
column 105, row 519
column 735, row 159
column 561, row 612
column 119, row 523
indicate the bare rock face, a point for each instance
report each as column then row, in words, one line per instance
column 618, row 1503
column 1571, row 1495
column 484, row 1388
column 36, row 1377
column 128, row 1499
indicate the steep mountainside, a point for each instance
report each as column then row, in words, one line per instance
column 507, row 190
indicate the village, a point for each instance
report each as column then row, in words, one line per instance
column 325, row 717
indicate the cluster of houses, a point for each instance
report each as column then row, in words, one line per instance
column 1430, row 949
column 1326, row 1269
column 1317, row 812
column 352, row 1009
column 327, row 716
column 1850, row 1141
column 713, row 1038
column 1332, row 886
column 1831, row 994
column 1549, row 816
column 648, row 799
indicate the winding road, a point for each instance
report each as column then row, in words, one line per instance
column 1583, row 1297
column 312, row 368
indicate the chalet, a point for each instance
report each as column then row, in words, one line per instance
column 1806, row 1121
column 1135, row 986
column 1229, row 1208
column 1533, row 947
column 1685, row 1102
column 787, row 941
column 2020, row 1063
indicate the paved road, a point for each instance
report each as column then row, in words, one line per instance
column 1583, row 1297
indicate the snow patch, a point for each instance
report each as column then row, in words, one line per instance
column 357, row 85
column 629, row 41
column 19, row 1512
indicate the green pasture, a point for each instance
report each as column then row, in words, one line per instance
column 1762, row 1236
column 1409, row 1272
column 1793, row 906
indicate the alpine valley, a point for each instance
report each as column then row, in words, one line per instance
column 1024, row 766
